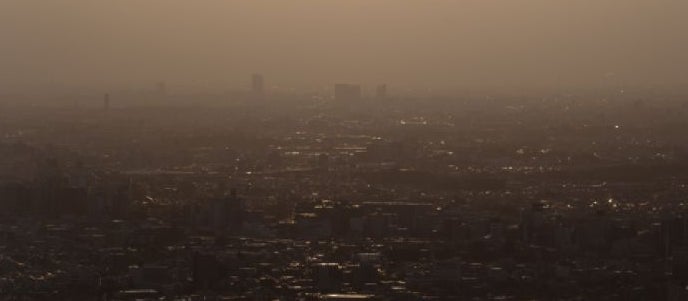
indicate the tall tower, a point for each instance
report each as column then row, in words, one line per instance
column 162, row 88
column 381, row 91
column 257, row 84
column 106, row 102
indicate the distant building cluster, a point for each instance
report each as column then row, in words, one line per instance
column 309, row 199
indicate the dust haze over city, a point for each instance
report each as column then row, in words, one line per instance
column 343, row 150
column 442, row 45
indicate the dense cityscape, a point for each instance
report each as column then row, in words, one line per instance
column 346, row 196
column 342, row 150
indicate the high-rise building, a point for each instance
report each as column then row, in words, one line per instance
column 257, row 84
column 346, row 92
column 227, row 212
column 381, row 91
column 106, row 101
column 162, row 88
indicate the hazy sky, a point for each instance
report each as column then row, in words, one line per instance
column 297, row 43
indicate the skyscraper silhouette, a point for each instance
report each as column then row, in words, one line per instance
column 381, row 91
column 162, row 88
column 257, row 84
column 106, row 102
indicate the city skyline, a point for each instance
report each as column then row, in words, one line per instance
column 339, row 150
column 414, row 44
